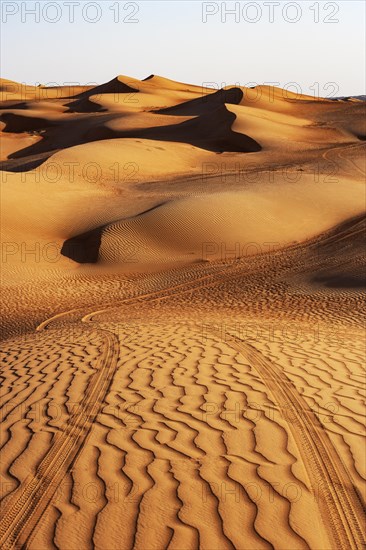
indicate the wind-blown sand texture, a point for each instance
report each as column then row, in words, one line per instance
column 182, row 329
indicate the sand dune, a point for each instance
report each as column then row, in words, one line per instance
column 182, row 353
column 232, row 119
column 212, row 227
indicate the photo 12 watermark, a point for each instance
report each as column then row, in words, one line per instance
column 270, row 12
column 78, row 93
column 53, row 171
column 70, row 12
column 126, row 413
column 251, row 331
column 253, row 172
column 270, row 91
column 90, row 492
column 80, row 250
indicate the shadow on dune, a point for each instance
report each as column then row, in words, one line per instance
column 25, row 164
column 114, row 86
column 83, row 104
column 345, row 244
column 211, row 131
column 349, row 238
column 84, row 248
column 16, row 123
column 55, row 136
column 13, row 104
column 341, row 280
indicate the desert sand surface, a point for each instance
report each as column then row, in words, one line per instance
column 182, row 328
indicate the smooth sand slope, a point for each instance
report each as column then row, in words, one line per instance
column 183, row 336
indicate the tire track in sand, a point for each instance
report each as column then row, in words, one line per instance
column 27, row 504
column 337, row 153
column 340, row 507
column 339, row 504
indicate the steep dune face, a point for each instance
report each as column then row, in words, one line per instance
column 163, row 83
column 114, row 86
column 206, row 103
column 182, row 345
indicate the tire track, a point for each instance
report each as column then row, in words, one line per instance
column 341, row 509
column 337, row 151
column 219, row 272
column 161, row 294
column 339, row 504
column 27, row 504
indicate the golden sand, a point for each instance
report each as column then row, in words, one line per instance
column 182, row 327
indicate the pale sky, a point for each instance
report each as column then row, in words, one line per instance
column 322, row 50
